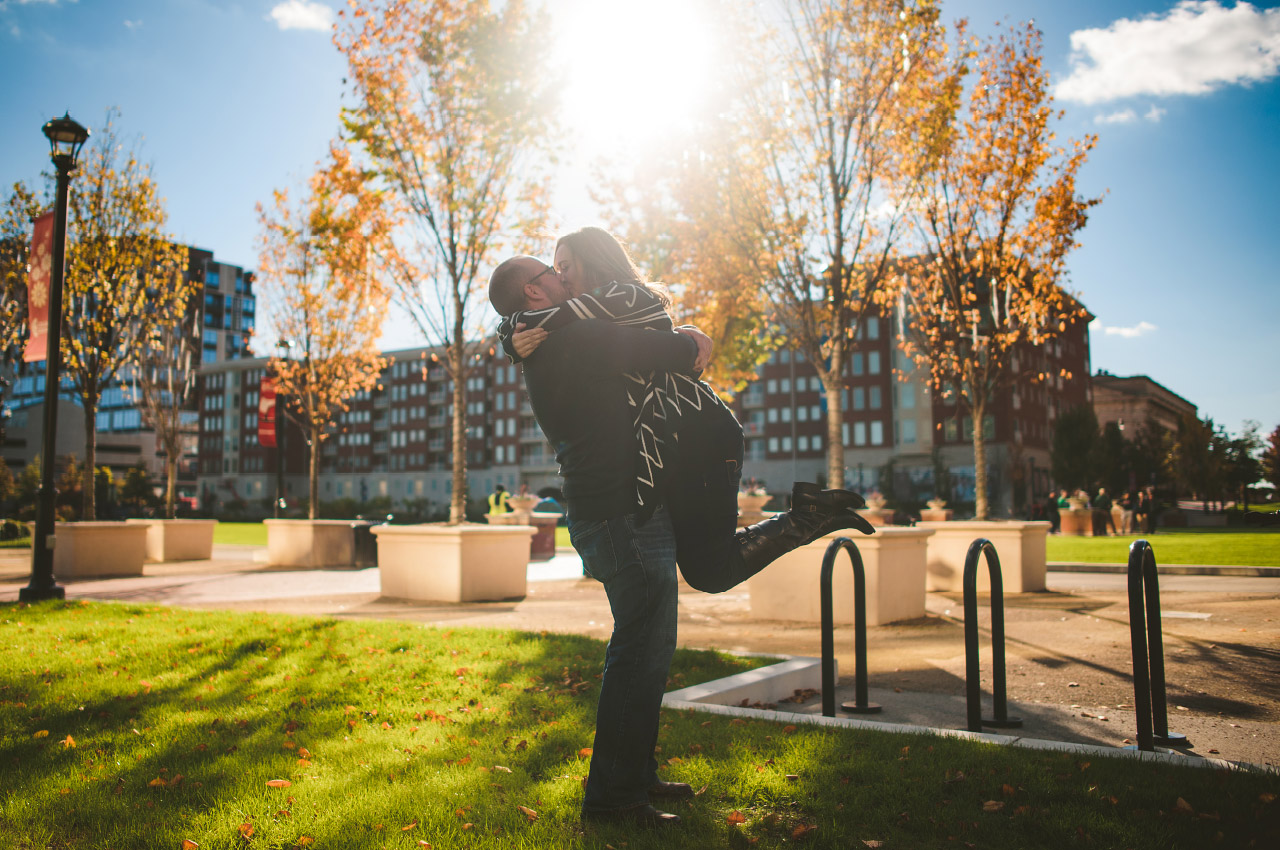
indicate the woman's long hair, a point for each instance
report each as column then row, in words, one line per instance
column 605, row 260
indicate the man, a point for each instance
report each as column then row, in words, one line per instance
column 578, row 390
column 1102, row 517
column 498, row 500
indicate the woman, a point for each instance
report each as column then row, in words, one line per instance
column 690, row 443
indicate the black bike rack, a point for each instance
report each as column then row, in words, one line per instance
column 1148, row 652
column 973, row 687
column 860, row 704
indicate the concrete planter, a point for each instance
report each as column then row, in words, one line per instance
column 543, row 546
column 454, row 563
column 1020, row 545
column 310, row 543
column 178, row 539
column 1075, row 522
column 894, row 564
column 94, row 549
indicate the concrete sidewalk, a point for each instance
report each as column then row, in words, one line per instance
column 1069, row 663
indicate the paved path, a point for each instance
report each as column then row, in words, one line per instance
column 1069, row 663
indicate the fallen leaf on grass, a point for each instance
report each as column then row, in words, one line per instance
column 188, row 844
column 529, row 813
column 872, row 842
column 1267, row 797
column 158, row 782
column 1008, row 790
column 585, row 753
column 305, row 841
column 426, row 844
column 278, row 783
column 246, row 831
column 501, row 768
column 736, row 818
column 802, row 829
column 409, row 827
column 43, row 733
column 1183, row 806
column 68, row 742
column 992, row 806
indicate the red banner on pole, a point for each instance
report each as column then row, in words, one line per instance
column 267, row 412
column 39, row 275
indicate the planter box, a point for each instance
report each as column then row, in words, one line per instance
column 310, row 543
column 543, row 547
column 93, row 549
column 178, row 539
column 893, row 560
column 1020, row 545
column 1075, row 522
column 454, row 563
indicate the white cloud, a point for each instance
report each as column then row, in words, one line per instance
column 302, row 15
column 1124, row 116
column 133, row 25
column 1140, row 329
column 1155, row 113
column 1196, row 47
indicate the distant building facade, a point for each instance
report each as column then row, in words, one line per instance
column 226, row 306
column 1132, row 401
column 396, row 441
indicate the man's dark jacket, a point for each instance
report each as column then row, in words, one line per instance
column 577, row 388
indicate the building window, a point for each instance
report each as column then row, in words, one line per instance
column 859, row 433
column 908, row 430
column 786, row 444
column 876, row 400
column 857, row 363
column 786, row 414
column 873, row 362
column 802, row 414
column 802, row 444
column 873, row 328
column 907, row 396
column 877, row 433
column 771, row 386
column 773, row 444
column 859, row 398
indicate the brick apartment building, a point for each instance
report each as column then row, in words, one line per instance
column 395, row 442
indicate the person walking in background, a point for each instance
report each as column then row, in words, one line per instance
column 1052, row 513
column 1102, row 514
column 498, row 500
column 1127, row 502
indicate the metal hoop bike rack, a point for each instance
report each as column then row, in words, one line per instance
column 973, row 687
column 860, row 704
column 1149, row 699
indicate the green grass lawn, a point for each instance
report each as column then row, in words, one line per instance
column 1184, row 546
column 143, row 727
column 241, row 533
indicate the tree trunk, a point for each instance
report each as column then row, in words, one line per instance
column 170, row 486
column 458, row 498
column 831, row 381
column 979, row 463
column 88, row 502
column 313, row 475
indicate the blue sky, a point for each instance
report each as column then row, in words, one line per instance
column 1179, row 262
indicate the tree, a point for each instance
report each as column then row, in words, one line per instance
column 1074, row 450
column 315, row 269
column 1271, row 458
column 164, row 385
column 829, row 157
column 1111, row 459
column 20, row 209
column 124, row 275
column 994, row 228
column 1148, row 450
column 1194, row 458
column 451, row 105
column 1243, row 469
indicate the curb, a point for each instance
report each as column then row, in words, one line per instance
column 783, row 677
column 1169, row 569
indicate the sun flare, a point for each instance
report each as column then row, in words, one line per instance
column 636, row 69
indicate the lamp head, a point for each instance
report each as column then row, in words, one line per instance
column 66, row 138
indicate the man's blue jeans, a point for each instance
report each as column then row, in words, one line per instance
column 637, row 566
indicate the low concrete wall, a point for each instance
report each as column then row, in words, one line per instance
column 1020, row 546
column 93, row 549
column 310, row 542
column 178, row 539
column 454, row 563
column 894, row 564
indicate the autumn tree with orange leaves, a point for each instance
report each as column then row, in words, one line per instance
column 999, row 216
column 809, row 175
column 320, row 272
column 450, row 110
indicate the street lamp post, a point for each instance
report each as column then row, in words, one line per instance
column 66, row 138
column 284, row 347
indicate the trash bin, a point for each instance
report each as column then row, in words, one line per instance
column 364, row 544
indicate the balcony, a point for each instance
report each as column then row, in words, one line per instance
column 753, row 398
column 752, row 429
column 533, row 434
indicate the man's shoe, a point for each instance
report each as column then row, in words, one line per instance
column 671, row 790
column 642, row 815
